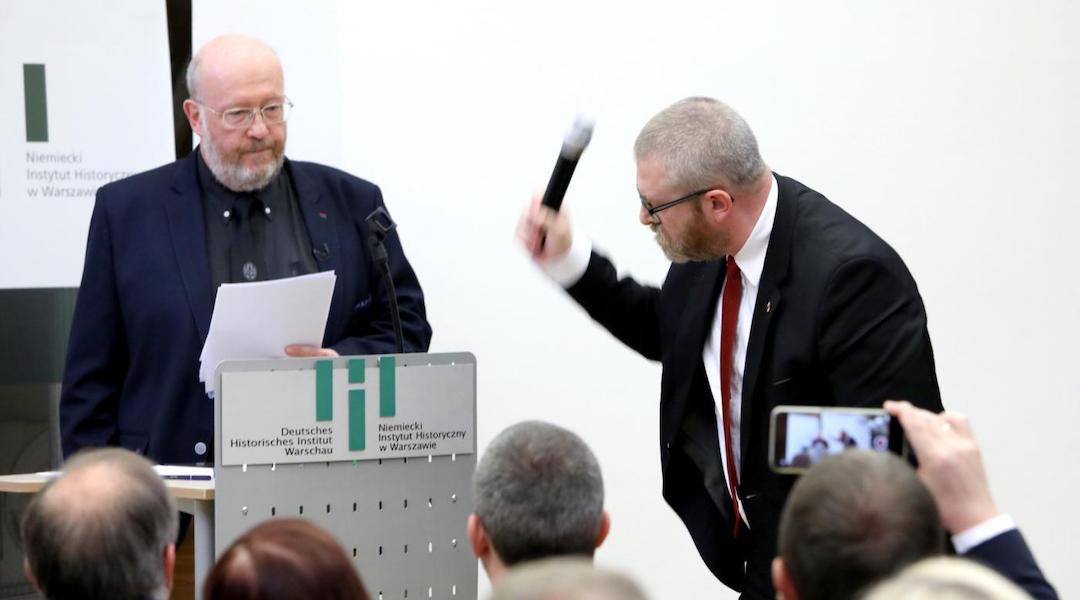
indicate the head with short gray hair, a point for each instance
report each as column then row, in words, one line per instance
column 565, row 579
column 701, row 142
column 852, row 520
column 101, row 531
column 539, row 493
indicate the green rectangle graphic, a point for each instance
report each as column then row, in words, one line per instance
column 324, row 390
column 356, row 370
column 387, row 387
column 357, row 419
column 37, row 115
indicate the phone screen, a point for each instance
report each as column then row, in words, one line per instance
column 803, row 435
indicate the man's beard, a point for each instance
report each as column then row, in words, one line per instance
column 232, row 174
column 694, row 246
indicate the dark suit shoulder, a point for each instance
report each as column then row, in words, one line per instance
column 828, row 237
column 330, row 177
column 142, row 185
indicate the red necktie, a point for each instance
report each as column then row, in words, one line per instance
column 728, row 318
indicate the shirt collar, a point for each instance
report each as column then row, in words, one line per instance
column 751, row 257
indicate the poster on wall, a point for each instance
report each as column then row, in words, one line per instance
column 86, row 95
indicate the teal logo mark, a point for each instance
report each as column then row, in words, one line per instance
column 37, row 114
column 357, row 405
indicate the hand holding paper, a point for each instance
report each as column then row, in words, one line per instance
column 266, row 318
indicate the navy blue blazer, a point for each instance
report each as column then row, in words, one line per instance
column 1009, row 555
column 144, row 306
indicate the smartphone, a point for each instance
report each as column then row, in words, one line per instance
column 800, row 436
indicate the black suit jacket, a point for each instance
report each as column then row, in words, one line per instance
column 1009, row 555
column 838, row 321
column 144, row 306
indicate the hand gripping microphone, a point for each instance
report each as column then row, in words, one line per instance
column 575, row 143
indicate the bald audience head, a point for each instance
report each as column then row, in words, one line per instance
column 539, row 494
column 106, row 528
column 853, row 519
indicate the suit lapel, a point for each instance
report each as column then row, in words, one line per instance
column 187, row 228
column 767, row 304
column 687, row 370
column 321, row 217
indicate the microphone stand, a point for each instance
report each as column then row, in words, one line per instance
column 380, row 224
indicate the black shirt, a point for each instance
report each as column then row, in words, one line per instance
column 254, row 236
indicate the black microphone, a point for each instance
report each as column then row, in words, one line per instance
column 381, row 225
column 575, row 143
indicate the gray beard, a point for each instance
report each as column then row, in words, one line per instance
column 235, row 176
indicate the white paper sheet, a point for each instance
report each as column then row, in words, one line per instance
column 257, row 320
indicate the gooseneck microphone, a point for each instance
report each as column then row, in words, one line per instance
column 575, row 143
column 380, row 225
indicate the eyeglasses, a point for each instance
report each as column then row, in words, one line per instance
column 242, row 118
column 653, row 210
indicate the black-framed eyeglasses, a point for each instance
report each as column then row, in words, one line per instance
column 274, row 113
column 653, row 210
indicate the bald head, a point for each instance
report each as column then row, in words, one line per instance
column 238, row 109
column 230, row 61
column 104, row 529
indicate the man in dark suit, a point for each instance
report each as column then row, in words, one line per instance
column 776, row 296
column 235, row 210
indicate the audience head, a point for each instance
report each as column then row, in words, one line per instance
column 284, row 559
column 105, row 529
column 947, row 578
column 538, row 494
column 853, row 519
column 565, row 579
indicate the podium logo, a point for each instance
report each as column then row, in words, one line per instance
column 358, row 388
column 37, row 113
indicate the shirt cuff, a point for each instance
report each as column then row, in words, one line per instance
column 985, row 531
column 568, row 269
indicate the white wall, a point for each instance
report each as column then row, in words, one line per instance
column 950, row 128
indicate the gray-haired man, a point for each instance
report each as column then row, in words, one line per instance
column 104, row 530
column 774, row 296
column 539, row 494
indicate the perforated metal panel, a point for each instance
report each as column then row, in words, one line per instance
column 402, row 520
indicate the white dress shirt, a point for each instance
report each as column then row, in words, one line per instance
column 751, row 261
column 983, row 532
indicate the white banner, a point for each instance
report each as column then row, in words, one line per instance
column 86, row 99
